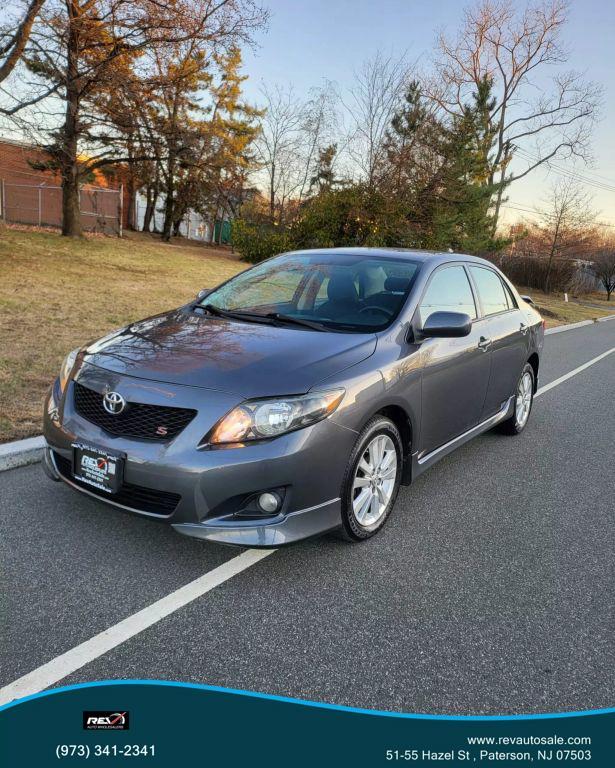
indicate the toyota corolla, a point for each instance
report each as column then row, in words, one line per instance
column 298, row 396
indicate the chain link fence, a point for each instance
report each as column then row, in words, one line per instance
column 100, row 208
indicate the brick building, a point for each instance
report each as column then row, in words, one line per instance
column 34, row 197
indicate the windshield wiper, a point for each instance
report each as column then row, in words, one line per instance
column 255, row 317
column 212, row 310
column 290, row 320
column 233, row 315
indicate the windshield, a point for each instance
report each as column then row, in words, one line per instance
column 340, row 291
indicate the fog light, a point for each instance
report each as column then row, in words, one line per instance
column 269, row 502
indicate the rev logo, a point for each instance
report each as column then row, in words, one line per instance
column 105, row 721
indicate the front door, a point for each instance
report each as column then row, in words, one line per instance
column 455, row 371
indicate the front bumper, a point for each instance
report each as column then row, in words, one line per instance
column 308, row 464
column 285, row 529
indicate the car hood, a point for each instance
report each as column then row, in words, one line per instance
column 249, row 359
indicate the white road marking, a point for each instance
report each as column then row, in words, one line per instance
column 569, row 375
column 77, row 657
column 91, row 649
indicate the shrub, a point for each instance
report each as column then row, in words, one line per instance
column 351, row 216
column 257, row 242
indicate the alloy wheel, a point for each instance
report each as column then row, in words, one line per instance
column 523, row 402
column 374, row 481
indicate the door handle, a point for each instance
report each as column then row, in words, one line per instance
column 524, row 328
column 484, row 343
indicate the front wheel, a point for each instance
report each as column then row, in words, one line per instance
column 372, row 479
column 524, row 399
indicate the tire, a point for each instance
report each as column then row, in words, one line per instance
column 379, row 437
column 521, row 415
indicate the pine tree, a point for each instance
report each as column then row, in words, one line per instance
column 406, row 141
column 463, row 219
column 233, row 130
column 220, row 138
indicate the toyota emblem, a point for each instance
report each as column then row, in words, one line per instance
column 113, row 403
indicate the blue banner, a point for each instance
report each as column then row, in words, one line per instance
column 173, row 724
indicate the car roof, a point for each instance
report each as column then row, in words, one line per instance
column 414, row 254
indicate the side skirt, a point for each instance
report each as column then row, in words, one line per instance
column 422, row 462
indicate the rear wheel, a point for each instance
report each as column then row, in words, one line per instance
column 372, row 479
column 524, row 399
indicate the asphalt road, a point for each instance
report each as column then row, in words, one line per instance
column 489, row 591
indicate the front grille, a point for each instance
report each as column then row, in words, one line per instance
column 133, row 496
column 145, row 422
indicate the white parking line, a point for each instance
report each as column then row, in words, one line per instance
column 569, row 375
column 91, row 649
column 69, row 662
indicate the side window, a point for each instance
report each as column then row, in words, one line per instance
column 448, row 291
column 490, row 289
column 512, row 304
column 322, row 291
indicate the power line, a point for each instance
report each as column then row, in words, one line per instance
column 587, row 176
column 521, row 209
column 570, row 173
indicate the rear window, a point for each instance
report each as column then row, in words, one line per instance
column 490, row 290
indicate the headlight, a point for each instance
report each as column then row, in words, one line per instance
column 261, row 419
column 67, row 367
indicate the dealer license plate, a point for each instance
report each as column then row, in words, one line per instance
column 98, row 467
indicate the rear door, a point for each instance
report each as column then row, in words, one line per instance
column 456, row 370
column 506, row 328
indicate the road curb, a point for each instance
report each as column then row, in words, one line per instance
column 21, row 452
column 581, row 324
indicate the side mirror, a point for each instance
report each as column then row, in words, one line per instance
column 527, row 299
column 203, row 292
column 446, row 325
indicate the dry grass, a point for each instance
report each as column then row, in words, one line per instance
column 56, row 294
column 556, row 311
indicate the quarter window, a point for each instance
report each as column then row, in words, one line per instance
column 512, row 304
column 491, row 291
column 448, row 291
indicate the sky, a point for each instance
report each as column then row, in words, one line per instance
column 308, row 42
column 311, row 41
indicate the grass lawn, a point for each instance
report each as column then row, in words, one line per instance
column 556, row 311
column 56, row 294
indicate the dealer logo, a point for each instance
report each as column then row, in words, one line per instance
column 105, row 721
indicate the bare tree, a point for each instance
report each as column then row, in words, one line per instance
column 371, row 103
column 318, row 128
column 13, row 38
column 278, row 146
column 517, row 49
column 567, row 224
column 604, row 269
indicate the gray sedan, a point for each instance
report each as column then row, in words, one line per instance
column 298, row 396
